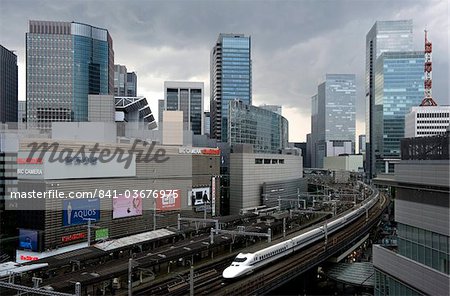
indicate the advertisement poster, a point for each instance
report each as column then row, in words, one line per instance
column 168, row 200
column 213, row 195
column 28, row 239
column 77, row 211
column 199, row 196
column 102, row 233
column 124, row 206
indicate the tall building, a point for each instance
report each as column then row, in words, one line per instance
column 424, row 121
column 206, row 122
column 231, row 79
column 65, row 63
column 333, row 118
column 384, row 36
column 131, row 84
column 362, row 144
column 398, row 87
column 420, row 265
column 8, row 85
column 266, row 131
column 161, row 109
column 187, row 97
column 120, row 80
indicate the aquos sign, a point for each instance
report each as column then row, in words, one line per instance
column 202, row 151
column 79, row 211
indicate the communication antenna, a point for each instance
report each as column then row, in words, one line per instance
column 428, row 99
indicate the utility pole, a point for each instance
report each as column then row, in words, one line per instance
column 130, row 279
column 191, row 281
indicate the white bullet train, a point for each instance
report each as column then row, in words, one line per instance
column 246, row 263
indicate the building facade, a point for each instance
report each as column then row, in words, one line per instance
column 65, row 63
column 333, row 117
column 120, row 80
column 231, row 79
column 420, row 264
column 424, row 121
column 266, row 131
column 8, row 85
column 362, row 144
column 398, row 87
column 131, row 84
column 384, row 36
column 180, row 173
column 187, row 97
column 249, row 171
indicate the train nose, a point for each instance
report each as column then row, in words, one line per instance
column 229, row 273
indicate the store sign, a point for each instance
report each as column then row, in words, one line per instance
column 213, row 195
column 29, row 171
column 168, row 200
column 21, row 160
column 73, row 237
column 102, row 233
column 28, row 258
column 28, row 239
column 79, row 211
column 127, row 206
column 204, row 151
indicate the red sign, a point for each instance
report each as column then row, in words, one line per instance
column 211, row 151
column 29, row 160
column 72, row 237
column 28, row 258
column 168, row 200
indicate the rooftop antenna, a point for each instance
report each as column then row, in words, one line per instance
column 428, row 99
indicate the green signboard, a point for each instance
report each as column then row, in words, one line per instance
column 102, row 233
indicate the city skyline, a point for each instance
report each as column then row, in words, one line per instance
column 286, row 67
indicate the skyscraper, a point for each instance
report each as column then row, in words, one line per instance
column 120, row 80
column 65, row 63
column 398, row 87
column 384, row 36
column 8, row 85
column 187, row 97
column 333, row 117
column 131, row 84
column 231, row 78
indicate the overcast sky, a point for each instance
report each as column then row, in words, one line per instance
column 294, row 43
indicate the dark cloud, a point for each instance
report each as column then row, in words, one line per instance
column 294, row 43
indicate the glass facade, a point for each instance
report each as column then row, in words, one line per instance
column 398, row 87
column 424, row 246
column 186, row 97
column 65, row 63
column 120, row 80
column 131, row 84
column 384, row 36
column 231, row 79
column 8, row 85
column 387, row 285
column 267, row 131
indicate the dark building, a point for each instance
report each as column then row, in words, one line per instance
column 8, row 85
column 131, row 84
column 303, row 146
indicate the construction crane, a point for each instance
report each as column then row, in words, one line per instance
column 428, row 99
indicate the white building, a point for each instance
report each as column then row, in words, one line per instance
column 353, row 163
column 425, row 121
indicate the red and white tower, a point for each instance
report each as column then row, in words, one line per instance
column 428, row 99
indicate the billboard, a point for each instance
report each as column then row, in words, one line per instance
column 28, row 239
column 168, row 200
column 77, row 211
column 127, row 206
column 199, row 196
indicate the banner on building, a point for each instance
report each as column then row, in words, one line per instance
column 127, row 206
column 79, row 211
column 168, row 200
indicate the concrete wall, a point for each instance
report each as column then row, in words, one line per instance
column 172, row 128
column 247, row 177
column 101, row 108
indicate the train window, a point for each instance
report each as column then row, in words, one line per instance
column 240, row 259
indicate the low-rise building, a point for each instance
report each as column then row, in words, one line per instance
column 425, row 121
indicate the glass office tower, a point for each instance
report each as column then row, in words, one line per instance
column 267, row 131
column 384, row 36
column 8, row 85
column 399, row 80
column 185, row 96
column 65, row 63
column 231, row 79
